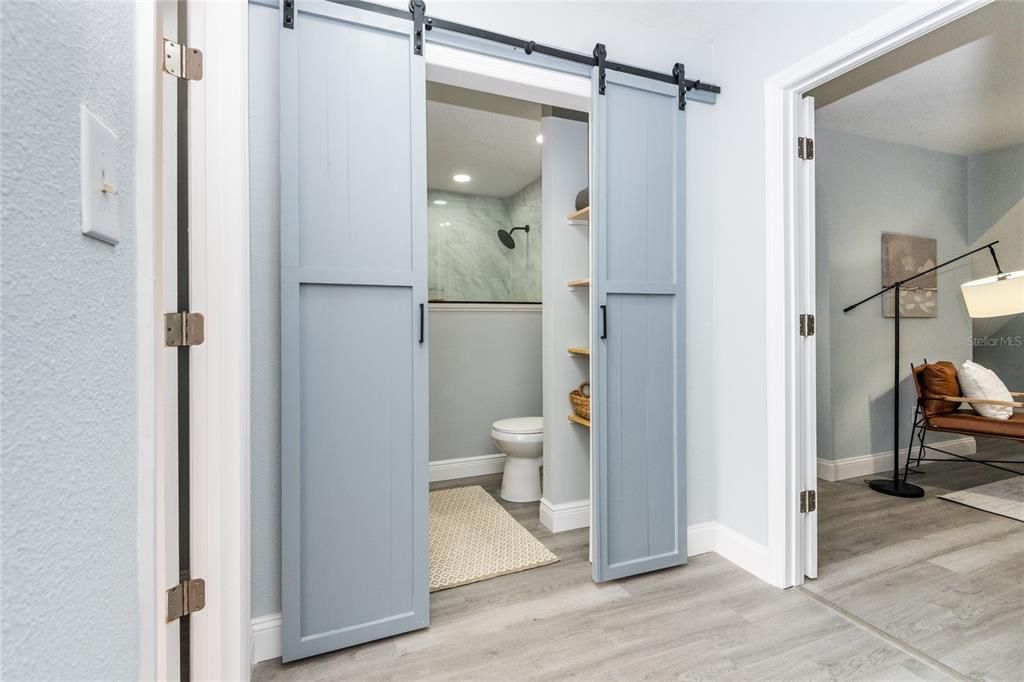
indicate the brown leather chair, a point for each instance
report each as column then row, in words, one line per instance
column 941, row 406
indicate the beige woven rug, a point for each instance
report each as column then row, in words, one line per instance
column 473, row 538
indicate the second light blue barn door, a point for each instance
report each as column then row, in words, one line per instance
column 637, row 351
column 353, row 337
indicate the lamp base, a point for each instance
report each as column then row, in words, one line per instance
column 898, row 488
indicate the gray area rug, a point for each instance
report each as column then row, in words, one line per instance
column 1005, row 497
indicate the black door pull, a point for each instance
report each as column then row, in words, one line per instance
column 604, row 322
column 421, row 323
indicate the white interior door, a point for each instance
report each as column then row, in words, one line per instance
column 807, row 372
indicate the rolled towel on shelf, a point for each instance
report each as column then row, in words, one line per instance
column 583, row 199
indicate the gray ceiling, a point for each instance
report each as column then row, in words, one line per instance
column 958, row 89
column 490, row 138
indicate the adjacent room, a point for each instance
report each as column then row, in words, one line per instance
column 911, row 174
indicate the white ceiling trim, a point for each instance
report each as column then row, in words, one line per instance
column 476, row 71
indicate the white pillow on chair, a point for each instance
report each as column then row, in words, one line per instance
column 981, row 383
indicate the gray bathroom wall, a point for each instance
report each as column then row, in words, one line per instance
column 485, row 365
column 866, row 187
column 69, row 604
column 995, row 211
column 467, row 260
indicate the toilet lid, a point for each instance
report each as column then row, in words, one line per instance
column 520, row 425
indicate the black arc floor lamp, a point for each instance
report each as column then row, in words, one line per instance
column 1001, row 294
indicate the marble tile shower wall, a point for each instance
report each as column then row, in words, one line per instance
column 467, row 262
column 524, row 267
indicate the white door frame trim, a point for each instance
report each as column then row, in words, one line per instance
column 790, row 275
column 156, row 218
column 219, row 282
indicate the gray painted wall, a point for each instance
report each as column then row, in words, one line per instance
column 69, row 598
column 566, row 311
column 485, row 365
column 995, row 185
column 265, row 319
column 995, row 211
column 999, row 345
column 866, row 187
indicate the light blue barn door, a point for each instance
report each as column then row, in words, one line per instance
column 637, row 231
column 354, row 357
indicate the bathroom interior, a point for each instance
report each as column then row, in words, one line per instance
column 508, row 324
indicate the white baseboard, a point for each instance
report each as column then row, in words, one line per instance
column 865, row 465
column 266, row 638
column 752, row 557
column 565, row 516
column 701, row 538
column 464, row 467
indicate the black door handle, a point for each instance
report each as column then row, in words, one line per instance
column 604, row 322
column 421, row 323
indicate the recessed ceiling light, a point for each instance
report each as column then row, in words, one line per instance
column 461, row 177
column 445, row 224
column 440, row 202
column 540, row 139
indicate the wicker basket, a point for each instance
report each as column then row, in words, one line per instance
column 580, row 399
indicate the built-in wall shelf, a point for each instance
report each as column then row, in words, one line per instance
column 580, row 217
column 575, row 419
column 573, row 283
column 579, row 350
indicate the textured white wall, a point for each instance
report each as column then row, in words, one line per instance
column 69, row 596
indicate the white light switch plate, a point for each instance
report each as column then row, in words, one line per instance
column 99, row 179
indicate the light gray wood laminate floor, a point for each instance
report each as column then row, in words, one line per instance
column 945, row 579
column 908, row 590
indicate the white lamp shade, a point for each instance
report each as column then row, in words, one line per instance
column 995, row 296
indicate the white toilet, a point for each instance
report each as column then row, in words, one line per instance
column 522, row 441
